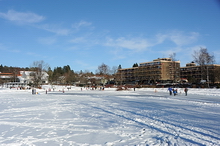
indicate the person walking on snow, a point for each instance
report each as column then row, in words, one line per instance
column 170, row 90
column 185, row 90
column 174, row 92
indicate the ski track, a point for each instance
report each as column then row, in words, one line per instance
column 173, row 130
column 108, row 118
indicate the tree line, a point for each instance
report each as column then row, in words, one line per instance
column 65, row 75
column 58, row 75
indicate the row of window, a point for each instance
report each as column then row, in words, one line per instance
column 150, row 63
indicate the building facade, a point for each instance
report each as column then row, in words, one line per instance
column 201, row 74
column 23, row 78
column 126, row 76
column 8, row 77
column 158, row 70
column 28, row 77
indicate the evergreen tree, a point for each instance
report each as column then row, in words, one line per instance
column 135, row 65
column 1, row 68
column 119, row 67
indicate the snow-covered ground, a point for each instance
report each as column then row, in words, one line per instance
column 109, row 117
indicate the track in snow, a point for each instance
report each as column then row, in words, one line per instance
column 109, row 118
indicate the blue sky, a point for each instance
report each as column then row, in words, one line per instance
column 86, row 33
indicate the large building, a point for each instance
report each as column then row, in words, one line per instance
column 23, row 78
column 158, row 70
column 8, row 77
column 201, row 74
column 127, row 76
column 28, row 77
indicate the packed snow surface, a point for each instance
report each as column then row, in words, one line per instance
column 108, row 117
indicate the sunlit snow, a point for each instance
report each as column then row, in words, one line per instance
column 145, row 116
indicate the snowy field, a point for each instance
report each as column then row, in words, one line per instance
column 93, row 117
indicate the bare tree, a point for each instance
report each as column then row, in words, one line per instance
column 39, row 69
column 103, row 69
column 114, row 70
column 203, row 59
column 175, row 67
column 173, row 56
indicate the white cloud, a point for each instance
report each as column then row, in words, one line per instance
column 124, row 47
column 73, row 48
column 54, row 29
column 80, row 24
column 21, row 17
column 181, row 39
column 136, row 44
column 160, row 38
column 140, row 44
column 3, row 48
column 14, row 51
column 78, row 40
column 178, row 38
column 33, row 54
column 32, row 18
column 170, row 51
column 118, row 54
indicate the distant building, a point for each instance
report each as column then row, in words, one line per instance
column 99, row 79
column 22, row 78
column 7, row 77
column 27, row 77
column 201, row 74
column 126, row 76
column 158, row 70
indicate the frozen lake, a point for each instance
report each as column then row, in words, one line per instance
column 109, row 117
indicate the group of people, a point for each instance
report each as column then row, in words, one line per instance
column 174, row 91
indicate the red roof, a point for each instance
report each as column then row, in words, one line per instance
column 9, row 74
column 5, row 73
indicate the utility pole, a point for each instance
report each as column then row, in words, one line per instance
column 207, row 75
